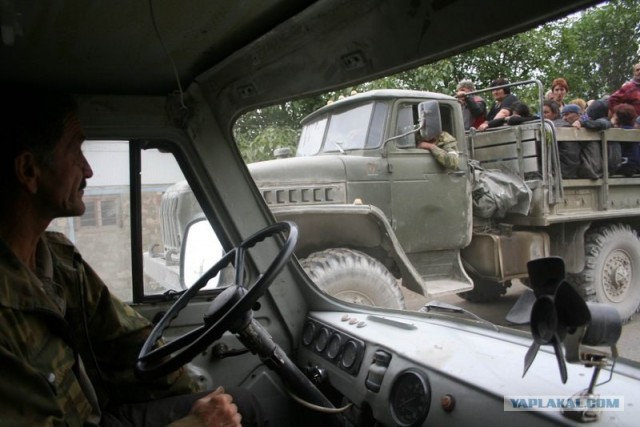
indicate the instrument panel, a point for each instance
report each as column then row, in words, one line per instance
column 337, row 347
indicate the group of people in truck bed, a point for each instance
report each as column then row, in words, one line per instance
column 577, row 159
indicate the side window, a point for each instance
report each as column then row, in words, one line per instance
column 103, row 233
column 406, row 121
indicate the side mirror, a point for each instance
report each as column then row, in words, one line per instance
column 201, row 248
column 430, row 124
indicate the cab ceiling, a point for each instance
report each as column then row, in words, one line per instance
column 245, row 53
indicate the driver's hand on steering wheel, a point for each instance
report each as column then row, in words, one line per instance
column 216, row 409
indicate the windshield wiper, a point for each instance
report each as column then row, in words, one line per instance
column 450, row 308
column 339, row 145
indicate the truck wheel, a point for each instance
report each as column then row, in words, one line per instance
column 612, row 268
column 484, row 290
column 354, row 277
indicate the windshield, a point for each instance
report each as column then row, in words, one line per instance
column 337, row 132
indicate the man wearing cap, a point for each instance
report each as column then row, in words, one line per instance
column 571, row 114
column 629, row 93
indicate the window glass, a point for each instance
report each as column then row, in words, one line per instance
column 311, row 138
column 348, row 129
column 103, row 233
column 168, row 208
column 406, row 122
column 376, row 130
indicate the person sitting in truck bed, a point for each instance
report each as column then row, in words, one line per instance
column 578, row 159
column 624, row 117
column 503, row 99
column 444, row 149
column 551, row 111
column 519, row 114
column 474, row 109
column 559, row 89
column 597, row 119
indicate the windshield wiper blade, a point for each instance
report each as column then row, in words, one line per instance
column 339, row 145
column 450, row 308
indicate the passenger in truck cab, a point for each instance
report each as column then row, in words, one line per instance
column 444, row 149
column 67, row 346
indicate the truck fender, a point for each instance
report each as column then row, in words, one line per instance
column 361, row 227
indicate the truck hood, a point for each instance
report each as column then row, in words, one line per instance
column 298, row 170
column 313, row 180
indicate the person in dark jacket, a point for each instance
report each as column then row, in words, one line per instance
column 503, row 100
column 474, row 108
column 624, row 116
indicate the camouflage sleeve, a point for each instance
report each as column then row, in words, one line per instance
column 117, row 332
column 446, row 151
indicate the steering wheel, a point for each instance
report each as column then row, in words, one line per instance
column 230, row 310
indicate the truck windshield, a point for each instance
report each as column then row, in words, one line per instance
column 337, row 132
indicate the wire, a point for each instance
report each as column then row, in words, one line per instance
column 319, row 408
column 166, row 51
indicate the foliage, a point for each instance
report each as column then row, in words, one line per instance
column 593, row 50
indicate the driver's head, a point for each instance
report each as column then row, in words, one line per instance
column 32, row 120
column 41, row 157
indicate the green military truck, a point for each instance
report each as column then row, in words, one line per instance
column 376, row 213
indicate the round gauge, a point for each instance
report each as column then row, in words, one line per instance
column 410, row 399
column 350, row 354
column 309, row 333
column 321, row 339
column 334, row 346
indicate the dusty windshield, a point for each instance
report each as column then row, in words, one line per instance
column 337, row 132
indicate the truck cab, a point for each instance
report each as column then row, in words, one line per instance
column 159, row 88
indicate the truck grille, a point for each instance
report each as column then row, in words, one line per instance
column 316, row 195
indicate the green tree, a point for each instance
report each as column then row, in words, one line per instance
column 600, row 47
column 593, row 50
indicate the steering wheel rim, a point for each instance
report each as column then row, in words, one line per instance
column 232, row 307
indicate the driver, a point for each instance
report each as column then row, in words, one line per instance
column 67, row 346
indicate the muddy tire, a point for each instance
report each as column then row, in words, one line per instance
column 484, row 290
column 612, row 268
column 354, row 277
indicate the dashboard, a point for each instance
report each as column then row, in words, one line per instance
column 421, row 370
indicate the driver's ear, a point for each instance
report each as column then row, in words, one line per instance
column 27, row 171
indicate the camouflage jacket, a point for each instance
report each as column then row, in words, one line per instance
column 43, row 329
column 446, row 151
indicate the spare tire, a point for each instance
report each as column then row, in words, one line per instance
column 354, row 277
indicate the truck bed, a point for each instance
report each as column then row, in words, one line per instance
column 520, row 150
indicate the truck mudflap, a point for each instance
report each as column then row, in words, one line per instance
column 504, row 256
column 366, row 228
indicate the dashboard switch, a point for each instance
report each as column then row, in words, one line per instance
column 381, row 360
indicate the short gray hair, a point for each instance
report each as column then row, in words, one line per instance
column 466, row 84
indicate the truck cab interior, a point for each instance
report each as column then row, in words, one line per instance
column 171, row 78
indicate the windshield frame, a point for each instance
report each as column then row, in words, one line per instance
column 339, row 130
